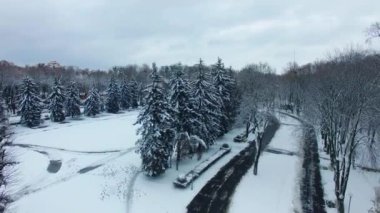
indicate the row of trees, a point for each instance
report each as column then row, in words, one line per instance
column 202, row 110
column 66, row 102
column 341, row 95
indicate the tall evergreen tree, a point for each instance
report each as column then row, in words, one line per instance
column 92, row 103
column 155, row 119
column 73, row 101
column 222, row 84
column 186, row 119
column 56, row 102
column 235, row 97
column 125, row 96
column 112, row 102
column 207, row 104
column 10, row 97
column 30, row 104
column 133, row 88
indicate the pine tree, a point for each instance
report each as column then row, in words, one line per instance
column 56, row 102
column 112, row 102
column 235, row 97
column 206, row 103
column 30, row 104
column 222, row 83
column 73, row 101
column 133, row 87
column 155, row 119
column 186, row 118
column 92, row 103
column 125, row 96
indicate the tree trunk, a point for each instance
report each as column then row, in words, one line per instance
column 178, row 155
column 340, row 205
column 258, row 152
column 247, row 129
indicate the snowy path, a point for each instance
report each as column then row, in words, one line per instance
column 215, row 196
column 275, row 188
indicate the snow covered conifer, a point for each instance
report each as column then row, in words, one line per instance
column 134, row 97
column 155, row 119
column 222, row 83
column 92, row 103
column 112, row 102
column 206, row 103
column 186, row 118
column 73, row 101
column 125, row 96
column 30, row 104
column 56, row 102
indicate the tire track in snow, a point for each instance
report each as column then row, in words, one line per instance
column 33, row 146
column 130, row 188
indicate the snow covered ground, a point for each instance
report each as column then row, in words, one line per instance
column 90, row 166
column 275, row 188
column 90, row 151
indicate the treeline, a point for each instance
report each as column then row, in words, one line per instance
column 341, row 96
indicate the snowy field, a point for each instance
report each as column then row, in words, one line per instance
column 90, row 166
column 275, row 188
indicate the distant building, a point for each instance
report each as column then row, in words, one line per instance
column 53, row 64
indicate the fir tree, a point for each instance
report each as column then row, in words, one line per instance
column 222, row 84
column 155, row 119
column 134, row 97
column 112, row 102
column 56, row 102
column 125, row 96
column 206, row 103
column 73, row 101
column 92, row 103
column 30, row 104
column 186, row 119
column 235, row 97
column 185, row 116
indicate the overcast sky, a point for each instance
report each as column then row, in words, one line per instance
column 99, row 34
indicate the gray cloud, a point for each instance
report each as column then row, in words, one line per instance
column 100, row 33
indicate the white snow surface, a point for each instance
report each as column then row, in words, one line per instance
column 274, row 189
column 100, row 170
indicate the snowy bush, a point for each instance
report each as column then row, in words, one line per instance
column 376, row 202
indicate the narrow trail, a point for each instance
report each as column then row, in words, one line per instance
column 215, row 196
